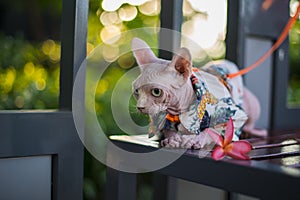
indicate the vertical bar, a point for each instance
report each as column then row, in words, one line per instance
column 235, row 44
column 283, row 117
column 259, row 81
column 164, row 187
column 120, row 185
column 160, row 186
column 235, row 39
column 169, row 41
column 73, row 52
column 170, row 20
column 73, row 47
column 67, row 161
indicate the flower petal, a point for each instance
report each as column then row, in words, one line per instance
column 238, row 150
column 218, row 153
column 228, row 132
column 241, row 146
column 215, row 136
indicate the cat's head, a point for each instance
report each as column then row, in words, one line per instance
column 162, row 84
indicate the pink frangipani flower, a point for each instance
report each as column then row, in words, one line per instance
column 225, row 146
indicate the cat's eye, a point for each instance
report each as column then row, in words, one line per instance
column 136, row 92
column 156, row 92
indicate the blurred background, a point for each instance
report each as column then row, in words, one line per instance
column 30, row 57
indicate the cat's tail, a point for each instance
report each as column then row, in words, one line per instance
column 251, row 106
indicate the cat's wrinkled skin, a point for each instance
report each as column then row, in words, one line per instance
column 252, row 108
column 176, row 91
column 165, row 86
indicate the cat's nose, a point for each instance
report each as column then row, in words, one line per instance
column 141, row 109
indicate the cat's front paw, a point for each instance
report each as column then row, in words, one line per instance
column 173, row 141
column 182, row 141
column 192, row 141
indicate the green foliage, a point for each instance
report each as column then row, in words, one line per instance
column 29, row 74
column 94, row 178
column 294, row 81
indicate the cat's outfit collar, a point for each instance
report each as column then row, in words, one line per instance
column 203, row 97
column 173, row 118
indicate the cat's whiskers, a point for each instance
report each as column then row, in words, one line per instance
column 133, row 110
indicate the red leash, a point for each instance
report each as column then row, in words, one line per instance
column 279, row 41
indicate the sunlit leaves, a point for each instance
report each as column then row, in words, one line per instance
column 29, row 74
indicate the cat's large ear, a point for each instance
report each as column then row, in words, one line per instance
column 142, row 52
column 182, row 62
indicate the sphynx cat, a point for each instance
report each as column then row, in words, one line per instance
column 183, row 101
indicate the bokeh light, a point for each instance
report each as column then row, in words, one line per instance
column 114, row 5
column 51, row 49
column 205, row 23
column 293, row 7
column 29, row 69
column 110, row 53
column 102, row 87
column 19, row 101
column 150, row 8
column 126, row 61
column 109, row 18
column 127, row 13
column 8, row 80
column 110, row 34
